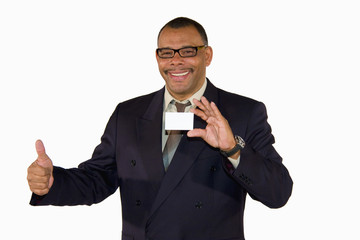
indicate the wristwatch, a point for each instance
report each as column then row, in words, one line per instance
column 240, row 144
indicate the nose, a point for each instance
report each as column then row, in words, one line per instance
column 177, row 59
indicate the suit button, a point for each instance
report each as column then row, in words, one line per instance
column 213, row 169
column 245, row 179
column 138, row 203
column 198, row 204
column 133, row 163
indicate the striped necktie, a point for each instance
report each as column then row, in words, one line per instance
column 174, row 138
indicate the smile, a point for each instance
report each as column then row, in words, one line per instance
column 179, row 74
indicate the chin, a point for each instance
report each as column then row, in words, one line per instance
column 179, row 91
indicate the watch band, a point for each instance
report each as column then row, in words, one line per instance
column 240, row 144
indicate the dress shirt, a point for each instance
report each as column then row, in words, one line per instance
column 172, row 108
column 168, row 107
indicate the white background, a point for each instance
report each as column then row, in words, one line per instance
column 64, row 66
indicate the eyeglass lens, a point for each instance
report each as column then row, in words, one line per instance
column 183, row 52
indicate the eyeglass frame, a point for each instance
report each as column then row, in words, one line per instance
column 197, row 48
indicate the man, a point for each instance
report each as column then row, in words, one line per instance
column 199, row 192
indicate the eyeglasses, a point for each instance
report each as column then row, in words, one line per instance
column 183, row 52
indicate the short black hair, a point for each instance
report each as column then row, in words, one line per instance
column 181, row 22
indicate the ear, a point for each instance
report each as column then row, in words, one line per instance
column 208, row 55
column 157, row 57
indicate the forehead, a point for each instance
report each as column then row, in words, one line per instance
column 179, row 37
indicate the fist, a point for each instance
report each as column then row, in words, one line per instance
column 40, row 172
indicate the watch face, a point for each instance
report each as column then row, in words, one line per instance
column 240, row 141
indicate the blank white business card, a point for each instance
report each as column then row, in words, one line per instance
column 179, row 121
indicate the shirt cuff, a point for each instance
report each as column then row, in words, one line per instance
column 234, row 162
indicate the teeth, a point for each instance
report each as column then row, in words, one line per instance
column 179, row 74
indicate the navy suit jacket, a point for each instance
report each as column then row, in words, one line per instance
column 199, row 197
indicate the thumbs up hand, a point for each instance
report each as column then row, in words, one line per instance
column 40, row 172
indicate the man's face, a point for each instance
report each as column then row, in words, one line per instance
column 183, row 76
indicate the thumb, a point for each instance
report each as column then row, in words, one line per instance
column 196, row 133
column 43, row 159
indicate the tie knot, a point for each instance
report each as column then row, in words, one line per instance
column 181, row 106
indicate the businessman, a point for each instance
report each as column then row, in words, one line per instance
column 188, row 185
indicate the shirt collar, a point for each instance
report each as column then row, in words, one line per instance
column 168, row 98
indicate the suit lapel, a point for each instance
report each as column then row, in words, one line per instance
column 149, row 128
column 186, row 154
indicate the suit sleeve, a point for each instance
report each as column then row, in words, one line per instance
column 261, row 171
column 93, row 180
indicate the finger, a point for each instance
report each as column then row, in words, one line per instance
column 38, row 180
column 204, row 106
column 40, row 192
column 209, row 106
column 38, row 185
column 43, row 159
column 40, row 169
column 216, row 111
column 199, row 104
column 197, row 132
column 40, row 149
column 37, row 170
column 199, row 113
column 205, row 102
column 36, row 177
